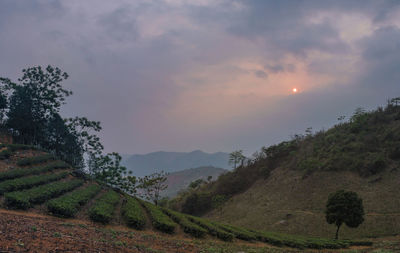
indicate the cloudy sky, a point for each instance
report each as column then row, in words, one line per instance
column 216, row 75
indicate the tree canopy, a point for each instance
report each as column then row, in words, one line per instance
column 344, row 207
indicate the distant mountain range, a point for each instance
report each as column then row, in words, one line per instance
column 142, row 165
column 181, row 179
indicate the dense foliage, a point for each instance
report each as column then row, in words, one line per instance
column 30, row 109
column 344, row 207
column 133, row 213
column 28, row 182
column 103, row 209
column 212, row 228
column 15, row 173
column 37, row 195
column 188, row 226
column 35, row 159
column 160, row 220
column 69, row 204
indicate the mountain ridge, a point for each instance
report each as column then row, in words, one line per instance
column 145, row 164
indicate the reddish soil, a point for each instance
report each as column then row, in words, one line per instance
column 27, row 232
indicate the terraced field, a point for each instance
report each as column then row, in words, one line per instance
column 33, row 181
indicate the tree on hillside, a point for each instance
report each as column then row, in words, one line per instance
column 344, row 207
column 108, row 169
column 33, row 101
column 152, row 186
column 236, row 158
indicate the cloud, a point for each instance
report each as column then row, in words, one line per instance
column 211, row 75
column 261, row 74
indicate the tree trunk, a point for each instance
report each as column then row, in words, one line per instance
column 337, row 232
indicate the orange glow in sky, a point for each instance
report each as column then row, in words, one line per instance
column 294, row 90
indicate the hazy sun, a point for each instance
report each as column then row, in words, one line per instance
column 294, row 90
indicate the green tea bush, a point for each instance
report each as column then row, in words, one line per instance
column 159, row 220
column 299, row 241
column 212, row 229
column 133, row 213
column 188, row 226
column 103, row 209
column 26, row 199
column 69, row 204
column 15, row 173
column 35, row 159
column 240, row 233
column 29, row 182
column 5, row 154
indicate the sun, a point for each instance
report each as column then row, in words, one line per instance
column 294, row 90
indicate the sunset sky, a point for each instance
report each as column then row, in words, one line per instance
column 215, row 75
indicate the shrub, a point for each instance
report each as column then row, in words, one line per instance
column 25, row 199
column 69, row 204
column 103, row 209
column 160, row 220
column 15, row 173
column 212, row 228
column 5, row 154
column 133, row 213
column 188, row 226
column 197, row 203
column 299, row 241
column 35, row 160
column 28, row 182
column 240, row 233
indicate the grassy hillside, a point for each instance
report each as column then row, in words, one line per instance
column 38, row 183
column 285, row 187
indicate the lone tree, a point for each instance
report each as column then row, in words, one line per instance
column 236, row 158
column 344, row 207
column 152, row 186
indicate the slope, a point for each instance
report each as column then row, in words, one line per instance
column 285, row 186
column 38, row 183
column 180, row 180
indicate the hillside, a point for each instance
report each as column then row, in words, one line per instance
column 285, row 186
column 92, row 217
column 180, row 180
column 142, row 165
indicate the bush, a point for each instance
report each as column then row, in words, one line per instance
column 197, row 203
column 160, row 220
column 239, row 233
column 28, row 182
column 25, row 199
column 103, row 209
column 133, row 213
column 69, row 204
column 188, row 226
column 35, row 160
column 15, row 173
column 5, row 154
column 212, row 229
column 299, row 241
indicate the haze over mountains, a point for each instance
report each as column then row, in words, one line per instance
column 142, row 165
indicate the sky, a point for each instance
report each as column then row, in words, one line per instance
column 215, row 75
